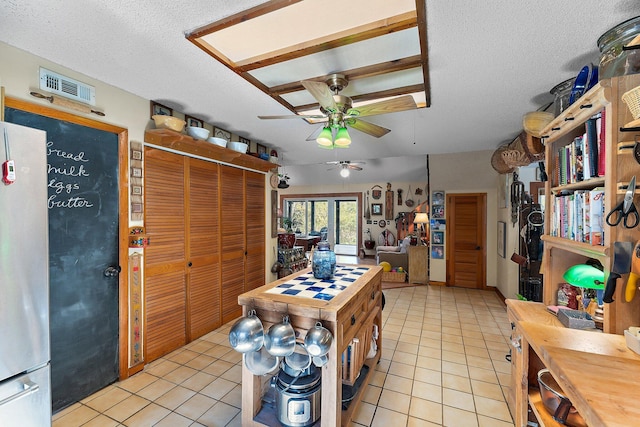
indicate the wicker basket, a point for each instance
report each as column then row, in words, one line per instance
column 497, row 162
column 391, row 276
column 515, row 158
column 632, row 99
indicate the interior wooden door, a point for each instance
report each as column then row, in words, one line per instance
column 255, row 217
column 165, row 258
column 232, row 234
column 466, row 240
column 203, row 264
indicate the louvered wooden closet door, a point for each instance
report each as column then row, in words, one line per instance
column 232, row 230
column 164, row 273
column 204, row 254
column 255, row 211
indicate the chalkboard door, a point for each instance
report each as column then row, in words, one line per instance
column 83, row 235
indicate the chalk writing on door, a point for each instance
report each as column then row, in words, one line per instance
column 67, row 172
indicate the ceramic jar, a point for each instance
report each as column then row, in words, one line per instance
column 324, row 261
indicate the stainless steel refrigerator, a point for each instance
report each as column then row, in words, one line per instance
column 25, row 391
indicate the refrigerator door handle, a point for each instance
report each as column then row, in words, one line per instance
column 29, row 388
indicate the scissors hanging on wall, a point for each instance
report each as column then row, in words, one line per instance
column 625, row 209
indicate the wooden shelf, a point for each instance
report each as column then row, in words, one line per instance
column 587, row 184
column 586, row 106
column 173, row 140
column 544, row 417
column 580, row 248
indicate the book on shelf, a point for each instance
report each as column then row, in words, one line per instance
column 584, row 157
column 579, row 216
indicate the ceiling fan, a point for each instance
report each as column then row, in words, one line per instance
column 346, row 166
column 338, row 112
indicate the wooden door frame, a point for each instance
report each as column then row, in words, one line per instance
column 357, row 196
column 449, row 240
column 123, row 214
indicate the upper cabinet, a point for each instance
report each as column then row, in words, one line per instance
column 586, row 180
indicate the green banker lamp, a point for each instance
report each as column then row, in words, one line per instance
column 585, row 276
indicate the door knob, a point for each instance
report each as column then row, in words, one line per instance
column 112, row 271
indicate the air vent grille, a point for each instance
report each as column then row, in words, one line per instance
column 67, row 87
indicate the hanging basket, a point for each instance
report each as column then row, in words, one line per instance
column 498, row 163
column 515, row 158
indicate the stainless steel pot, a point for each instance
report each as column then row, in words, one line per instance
column 247, row 334
column 280, row 339
column 298, row 399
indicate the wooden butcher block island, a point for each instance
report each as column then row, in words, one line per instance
column 350, row 306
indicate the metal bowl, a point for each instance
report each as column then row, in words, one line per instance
column 556, row 403
column 247, row 334
column 260, row 362
column 318, row 340
column 280, row 339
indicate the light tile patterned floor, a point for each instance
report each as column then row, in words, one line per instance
column 443, row 364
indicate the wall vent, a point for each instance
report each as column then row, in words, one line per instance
column 67, row 87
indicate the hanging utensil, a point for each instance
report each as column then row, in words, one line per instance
column 367, row 211
column 409, row 201
column 517, row 198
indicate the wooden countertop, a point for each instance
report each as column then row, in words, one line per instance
column 597, row 371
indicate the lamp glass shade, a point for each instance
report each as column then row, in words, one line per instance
column 342, row 137
column 325, row 137
column 584, row 276
column 344, row 172
column 421, row 218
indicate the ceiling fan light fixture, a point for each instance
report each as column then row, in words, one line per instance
column 344, row 172
column 325, row 138
column 342, row 137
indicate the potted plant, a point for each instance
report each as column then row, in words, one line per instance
column 287, row 239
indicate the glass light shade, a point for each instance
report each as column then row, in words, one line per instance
column 584, row 276
column 344, row 172
column 421, row 218
column 325, row 138
column 342, row 137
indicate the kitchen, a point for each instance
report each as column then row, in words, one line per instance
column 131, row 112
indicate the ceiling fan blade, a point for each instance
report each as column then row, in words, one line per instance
column 394, row 105
column 366, row 127
column 293, row 116
column 321, row 93
column 355, row 168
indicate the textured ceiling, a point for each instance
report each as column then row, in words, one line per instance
column 490, row 62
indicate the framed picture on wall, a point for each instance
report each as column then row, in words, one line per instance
column 437, row 238
column 161, row 110
column 438, row 198
column 376, row 208
column 221, row 133
column 437, row 211
column 502, row 227
column 437, row 252
column 192, row 121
